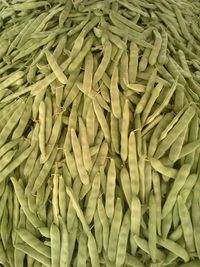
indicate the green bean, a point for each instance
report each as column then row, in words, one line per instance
column 193, row 135
column 164, row 73
column 135, row 9
column 159, row 167
column 170, row 26
column 157, row 192
column 72, row 239
column 133, row 166
column 116, row 40
column 104, row 63
column 10, row 253
column 6, row 159
column 11, row 123
column 101, row 158
column 60, row 46
column 32, row 241
column 189, row 148
column 177, row 185
column 101, row 100
column 23, row 120
column 142, row 244
column 4, row 227
column 133, row 261
column 88, row 74
column 155, row 94
column 104, row 221
column 78, row 157
column 45, row 231
column 55, row 245
column 195, row 216
column 133, row 35
column 33, row 253
column 71, row 164
column 42, row 115
column 176, row 234
column 36, row 103
column 55, row 196
column 144, row 98
column 90, row 124
column 92, row 201
column 105, row 93
column 19, row 35
column 98, row 232
column 55, row 67
column 147, row 130
column 164, row 103
column 79, row 41
column 166, row 225
column 184, row 63
column 23, row 202
column 177, row 146
column 123, row 70
column 34, row 46
column 55, row 134
column 62, row 198
column 78, row 210
column 126, row 21
column 64, row 246
column 92, row 248
column 188, row 187
column 85, row 146
column 65, row 13
column 30, row 162
column 110, row 111
column 124, row 131
column 156, row 48
column 172, row 135
column 71, row 217
column 125, row 183
column 114, row 94
column 30, row 30
column 79, row 27
column 78, row 60
column 48, row 117
column 18, row 257
column 140, row 88
column 133, row 62
column 44, row 172
column 114, row 231
column 123, row 240
column 15, row 163
column 12, row 79
column 102, row 120
column 30, row 5
column 182, row 23
column 186, row 225
column 135, row 222
column 71, row 213
column 110, row 189
column 175, row 248
column 144, row 59
column 141, row 167
column 172, row 123
column 162, row 57
column 82, row 250
column 114, row 131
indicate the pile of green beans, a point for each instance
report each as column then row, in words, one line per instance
column 99, row 133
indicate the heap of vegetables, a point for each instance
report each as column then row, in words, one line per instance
column 99, row 133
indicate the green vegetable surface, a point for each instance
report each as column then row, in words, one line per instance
column 99, row 133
